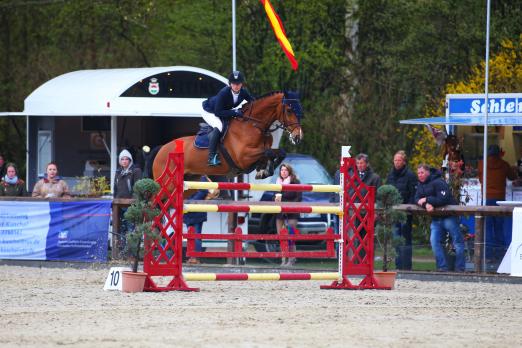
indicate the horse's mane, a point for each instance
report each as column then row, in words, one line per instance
column 269, row 94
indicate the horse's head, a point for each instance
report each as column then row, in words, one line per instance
column 291, row 116
column 283, row 107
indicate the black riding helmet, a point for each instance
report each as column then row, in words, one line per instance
column 236, row 77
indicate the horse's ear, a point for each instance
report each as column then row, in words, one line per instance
column 292, row 95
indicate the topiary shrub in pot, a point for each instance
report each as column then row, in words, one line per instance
column 387, row 217
column 141, row 214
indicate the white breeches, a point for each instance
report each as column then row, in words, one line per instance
column 212, row 120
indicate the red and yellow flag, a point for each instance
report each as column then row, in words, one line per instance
column 279, row 32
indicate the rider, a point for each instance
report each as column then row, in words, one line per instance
column 221, row 107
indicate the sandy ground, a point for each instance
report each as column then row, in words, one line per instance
column 43, row 307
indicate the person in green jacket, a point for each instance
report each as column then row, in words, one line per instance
column 12, row 186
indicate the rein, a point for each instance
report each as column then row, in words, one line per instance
column 266, row 128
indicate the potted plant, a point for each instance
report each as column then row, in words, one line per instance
column 140, row 214
column 91, row 186
column 387, row 197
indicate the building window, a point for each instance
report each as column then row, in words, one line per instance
column 175, row 84
column 45, row 148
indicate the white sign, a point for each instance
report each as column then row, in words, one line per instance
column 345, row 151
column 512, row 262
column 115, row 278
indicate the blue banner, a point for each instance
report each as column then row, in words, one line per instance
column 65, row 231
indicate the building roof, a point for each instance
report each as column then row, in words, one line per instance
column 98, row 93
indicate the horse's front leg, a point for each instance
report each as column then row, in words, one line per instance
column 271, row 159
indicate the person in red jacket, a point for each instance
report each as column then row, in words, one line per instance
column 498, row 171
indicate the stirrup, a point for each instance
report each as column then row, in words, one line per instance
column 213, row 160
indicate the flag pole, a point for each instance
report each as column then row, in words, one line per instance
column 485, row 148
column 234, row 35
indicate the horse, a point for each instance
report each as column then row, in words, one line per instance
column 248, row 140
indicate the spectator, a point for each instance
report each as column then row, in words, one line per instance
column 196, row 220
column 12, row 186
column 497, row 172
column 287, row 176
column 406, row 183
column 2, row 166
column 126, row 177
column 432, row 192
column 51, row 185
column 369, row 178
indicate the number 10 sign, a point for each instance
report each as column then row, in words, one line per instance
column 114, row 279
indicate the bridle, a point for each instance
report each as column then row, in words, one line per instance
column 265, row 127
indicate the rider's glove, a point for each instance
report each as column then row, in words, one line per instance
column 239, row 113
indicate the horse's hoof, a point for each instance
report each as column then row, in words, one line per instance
column 263, row 174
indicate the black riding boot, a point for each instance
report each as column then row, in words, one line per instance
column 213, row 156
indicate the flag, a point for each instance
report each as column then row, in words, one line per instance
column 279, row 32
column 438, row 134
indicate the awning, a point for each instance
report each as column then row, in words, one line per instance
column 493, row 120
column 99, row 93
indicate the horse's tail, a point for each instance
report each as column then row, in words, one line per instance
column 149, row 161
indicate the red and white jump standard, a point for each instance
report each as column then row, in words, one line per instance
column 164, row 257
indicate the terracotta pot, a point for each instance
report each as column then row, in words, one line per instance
column 133, row 281
column 386, row 279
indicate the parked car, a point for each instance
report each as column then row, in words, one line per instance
column 309, row 171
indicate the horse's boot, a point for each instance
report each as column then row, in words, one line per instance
column 213, row 156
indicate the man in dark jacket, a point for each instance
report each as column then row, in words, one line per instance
column 221, row 107
column 367, row 175
column 406, row 183
column 369, row 178
column 433, row 192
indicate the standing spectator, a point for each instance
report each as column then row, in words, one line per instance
column 2, row 166
column 498, row 171
column 126, row 176
column 196, row 220
column 369, row 178
column 432, row 192
column 51, row 185
column 12, row 186
column 406, row 183
column 365, row 172
column 287, row 176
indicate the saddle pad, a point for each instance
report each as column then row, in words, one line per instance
column 201, row 139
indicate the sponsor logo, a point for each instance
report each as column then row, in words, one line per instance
column 154, row 87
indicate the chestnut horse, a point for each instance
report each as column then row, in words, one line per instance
column 248, row 139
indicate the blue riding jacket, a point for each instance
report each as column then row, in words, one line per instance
column 222, row 103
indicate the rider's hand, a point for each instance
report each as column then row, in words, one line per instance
column 239, row 113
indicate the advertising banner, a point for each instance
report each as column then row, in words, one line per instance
column 64, row 231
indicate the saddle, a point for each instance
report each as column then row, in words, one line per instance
column 201, row 140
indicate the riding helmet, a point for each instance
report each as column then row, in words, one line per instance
column 236, row 77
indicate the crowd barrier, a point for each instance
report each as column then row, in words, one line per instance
column 355, row 238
